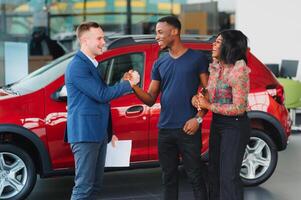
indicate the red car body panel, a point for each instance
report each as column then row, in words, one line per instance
column 45, row 117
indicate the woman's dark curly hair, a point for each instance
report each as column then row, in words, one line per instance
column 234, row 46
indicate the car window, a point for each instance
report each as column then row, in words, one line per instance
column 43, row 76
column 113, row 69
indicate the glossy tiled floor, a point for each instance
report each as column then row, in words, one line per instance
column 144, row 184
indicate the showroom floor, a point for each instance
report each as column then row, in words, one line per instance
column 144, row 184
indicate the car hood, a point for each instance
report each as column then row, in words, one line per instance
column 6, row 95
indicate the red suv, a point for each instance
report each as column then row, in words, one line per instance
column 33, row 117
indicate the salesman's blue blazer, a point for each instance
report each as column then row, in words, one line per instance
column 88, row 100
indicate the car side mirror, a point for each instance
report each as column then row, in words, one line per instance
column 60, row 94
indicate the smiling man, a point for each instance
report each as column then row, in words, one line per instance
column 177, row 75
column 89, row 110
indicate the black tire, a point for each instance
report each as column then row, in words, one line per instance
column 26, row 175
column 269, row 154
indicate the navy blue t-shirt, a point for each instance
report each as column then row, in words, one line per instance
column 179, row 81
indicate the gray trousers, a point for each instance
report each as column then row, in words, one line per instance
column 89, row 169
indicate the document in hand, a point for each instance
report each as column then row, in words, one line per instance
column 119, row 156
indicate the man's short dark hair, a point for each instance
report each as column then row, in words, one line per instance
column 85, row 26
column 171, row 20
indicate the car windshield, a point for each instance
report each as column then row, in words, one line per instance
column 41, row 77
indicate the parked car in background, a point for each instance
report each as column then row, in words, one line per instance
column 33, row 117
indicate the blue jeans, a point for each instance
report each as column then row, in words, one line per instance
column 171, row 144
column 89, row 169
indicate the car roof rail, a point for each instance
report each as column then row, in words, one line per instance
column 116, row 41
column 193, row 37
column 127, row 40
column 119, row 42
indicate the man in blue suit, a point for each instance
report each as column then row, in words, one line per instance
column 89, row 109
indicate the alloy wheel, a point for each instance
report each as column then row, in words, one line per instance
column 13, row 175
column 257, row 159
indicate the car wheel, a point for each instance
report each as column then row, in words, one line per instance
column 17, row 173
column 260, row 159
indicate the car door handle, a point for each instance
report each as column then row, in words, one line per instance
column 134, row 110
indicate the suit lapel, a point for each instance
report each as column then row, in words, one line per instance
column 91, row 66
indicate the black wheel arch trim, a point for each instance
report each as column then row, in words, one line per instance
column 36, row 141
column 271, row 119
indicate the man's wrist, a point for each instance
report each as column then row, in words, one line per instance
column 199, row 119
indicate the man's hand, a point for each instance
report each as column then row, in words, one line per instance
column 114, row 140
column 126, row 76
column 134, row 77
column 191, row 126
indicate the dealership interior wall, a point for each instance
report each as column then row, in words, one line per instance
column 273, row 28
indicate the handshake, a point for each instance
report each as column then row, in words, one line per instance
column 132, row 76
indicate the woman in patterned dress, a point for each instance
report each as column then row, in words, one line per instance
column 227, row 98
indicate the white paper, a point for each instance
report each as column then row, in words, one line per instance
column 119, row 156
